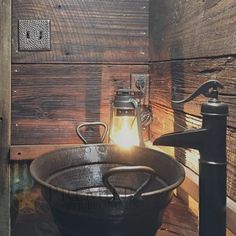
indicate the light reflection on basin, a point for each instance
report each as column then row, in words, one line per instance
column 72, row 183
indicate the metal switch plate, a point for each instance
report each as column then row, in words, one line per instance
column 34, row 35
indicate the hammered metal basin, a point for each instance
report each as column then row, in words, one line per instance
column 72, row 182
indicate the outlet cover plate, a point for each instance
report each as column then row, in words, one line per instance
column 34, row 35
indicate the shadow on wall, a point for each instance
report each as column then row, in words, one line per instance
column 177, row 90
column 93, row 91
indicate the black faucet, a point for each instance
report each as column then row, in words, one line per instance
column 210, row 140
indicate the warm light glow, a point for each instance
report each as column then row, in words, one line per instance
column 124, row 131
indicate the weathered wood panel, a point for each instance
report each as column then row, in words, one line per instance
column 190, row 43
column 177, row 79
column 5, row 83
column 168, row 120
column 188, row 192
column 192, row 29
column 30, row 152
column 111, row 31
column 49, row 101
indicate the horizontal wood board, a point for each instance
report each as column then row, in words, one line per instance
column 192, row 29
column 34, row 217
column 168, row 120
column 190, row 43
column 49, row 101
column 177, row 79
column 91, row 31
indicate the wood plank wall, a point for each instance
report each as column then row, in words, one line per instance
column 192, row 42
column 105, row 31
column 95, row 46
column 49, row 101
column 5, row 106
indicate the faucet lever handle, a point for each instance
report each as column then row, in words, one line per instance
column 208, row 89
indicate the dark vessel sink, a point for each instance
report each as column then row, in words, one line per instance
column 106, row 190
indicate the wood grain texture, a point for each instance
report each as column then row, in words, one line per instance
column 104, row 31
column 188, row 192
column 178, row 220
column 5, row 83
column 30, row 152
column 190, row 43
column 192, row 29
column 49, row 101
column 168, row 120
column 177, row 79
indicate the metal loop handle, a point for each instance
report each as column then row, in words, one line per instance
column 121, row 169
column 208, row 89
column 98, row 123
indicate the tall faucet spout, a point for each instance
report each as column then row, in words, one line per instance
column 186, row 139
column 210, row 140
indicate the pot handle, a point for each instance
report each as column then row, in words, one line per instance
column 98, row 123
column 137, row 195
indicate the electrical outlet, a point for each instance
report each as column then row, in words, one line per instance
column 34, row 35
column 140, row 84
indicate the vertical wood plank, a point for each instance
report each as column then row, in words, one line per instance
column 5, row 75
column 49, row 101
